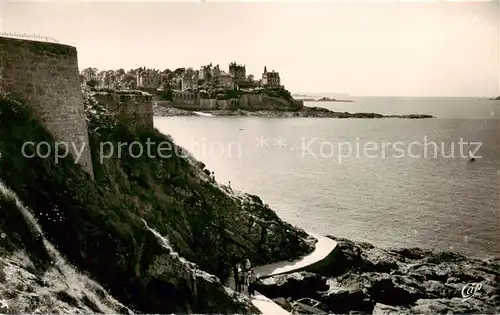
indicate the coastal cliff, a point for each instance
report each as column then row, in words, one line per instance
column 155, row 233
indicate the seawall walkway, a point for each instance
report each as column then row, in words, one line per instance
column 322, row 250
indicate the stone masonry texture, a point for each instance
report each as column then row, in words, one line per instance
column 45, row 76
column 134, row 110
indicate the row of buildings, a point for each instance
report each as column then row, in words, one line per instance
column 212, row 77
column 208, row 77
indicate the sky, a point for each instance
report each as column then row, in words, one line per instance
column 371, row 48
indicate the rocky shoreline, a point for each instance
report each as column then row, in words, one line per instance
column 304, row 112
column 362, row 279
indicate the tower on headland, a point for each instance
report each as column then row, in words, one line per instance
column 271, row 79
column 238, row 72
column 45, row 77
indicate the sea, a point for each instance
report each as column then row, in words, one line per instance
column 390, row 182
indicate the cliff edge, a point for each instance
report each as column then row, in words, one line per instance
column 155, row 232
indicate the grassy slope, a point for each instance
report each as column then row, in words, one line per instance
column 34, row 279
column 98, row 225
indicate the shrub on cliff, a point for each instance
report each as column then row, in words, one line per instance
column 280, row 93
column 98, row 117
column 232, row 94
column 167, row 95
column 98, row 224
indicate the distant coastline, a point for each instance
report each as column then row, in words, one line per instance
column 489, row 99
column 304, row 112
column 327, row 99
column 308, row 98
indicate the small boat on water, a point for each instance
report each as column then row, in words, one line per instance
column 471, row 156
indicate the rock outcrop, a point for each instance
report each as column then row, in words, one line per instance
column 305, row 111
column 171, row 111
column 366, row 279
column 326, row 99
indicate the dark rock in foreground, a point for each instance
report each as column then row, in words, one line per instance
column 304, row 112
column 365, row 279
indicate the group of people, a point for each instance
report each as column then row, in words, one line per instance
column 211, row 176
column 245, row 276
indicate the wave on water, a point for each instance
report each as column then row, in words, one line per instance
column 203, row 114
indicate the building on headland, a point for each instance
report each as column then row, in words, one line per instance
column 140, row 80
column 271, row 79
column 205, row 73
column 189, row 80
column 215, row 71
column 175, row 84
column 211, row 88
column 148, row 78
column 206, row 82
column 225, row 81
column 249, row 84
column 238, row 72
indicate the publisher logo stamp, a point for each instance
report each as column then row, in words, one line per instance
column 469, row 290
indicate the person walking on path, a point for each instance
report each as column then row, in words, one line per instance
column 246, row 269
column 246, row 264
column 252, row 279
column 237, row 274
column 241, row 278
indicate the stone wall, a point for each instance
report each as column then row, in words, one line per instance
column 232, row 103
column 132, row 109
column 45, row 77
column 250, row 100
column 208, row 103
column 185, row 98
